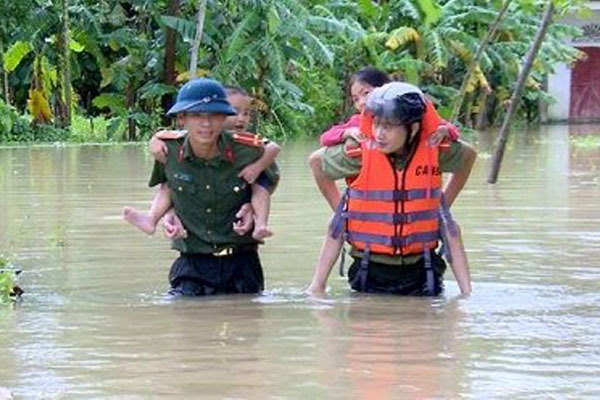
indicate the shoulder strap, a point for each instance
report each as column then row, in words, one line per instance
column 169, row 134
column 248, row 139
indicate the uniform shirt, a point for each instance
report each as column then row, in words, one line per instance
column 344, row 161
column 206, row 194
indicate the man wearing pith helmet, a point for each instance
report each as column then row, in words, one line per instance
column 202, row 169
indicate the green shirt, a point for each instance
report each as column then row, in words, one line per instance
column 338, row 165
column 206, row 194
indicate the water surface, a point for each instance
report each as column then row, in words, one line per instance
column 94, row 322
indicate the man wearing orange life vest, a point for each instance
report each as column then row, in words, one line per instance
column 392, row 210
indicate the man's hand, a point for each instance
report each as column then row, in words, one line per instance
column 251, row 172
column 173, row 227
column 158, row 149
column 245, row 220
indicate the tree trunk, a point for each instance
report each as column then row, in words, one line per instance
column 542, row 105
column 5, row 92
column 516, row 97
column 468, row 117
column 198, row 38
column 481, row 121
column 66, row 78
column 130, row 99
column 6, row 89
column 475, row 61
column 131, row 129
column 169, row 77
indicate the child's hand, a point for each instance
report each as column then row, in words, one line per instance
column 352, row 133
column 251, row 172
column 438, row 136
column 245, row 220
column 174, row 229
column 158, row 149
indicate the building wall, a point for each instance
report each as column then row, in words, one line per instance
column 560, row 83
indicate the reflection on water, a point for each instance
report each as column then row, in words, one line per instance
column 94, row 321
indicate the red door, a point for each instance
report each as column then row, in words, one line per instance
column 585, row 87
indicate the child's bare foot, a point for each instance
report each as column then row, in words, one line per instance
column 261, row 232
column 140, row 220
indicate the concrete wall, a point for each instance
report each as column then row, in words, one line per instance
column 559, row 83
column 559, row 86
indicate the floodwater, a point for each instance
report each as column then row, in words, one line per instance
column 94, row 322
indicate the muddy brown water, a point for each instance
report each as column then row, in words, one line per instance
column 94, row 322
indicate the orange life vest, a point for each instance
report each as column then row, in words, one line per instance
column 396, row 212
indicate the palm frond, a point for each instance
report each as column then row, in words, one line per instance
column 441, row 94
column 486, row 62
column 460, row 50
column 367, row 8
column 408, row 8
column 296, row 9
column 237, row 40
column 91, row 46
column 49, row 76
column 452, row 7
column 86, row 17
column 400, row 65
column 15, row 54
column 294, row 25
column 470, row 42
column 187, row 29
column 473, row 15
column 336, row 26
column 317, row 48
column 431, row 11
column 275, row 61
column 401, row 36
column 435, row 49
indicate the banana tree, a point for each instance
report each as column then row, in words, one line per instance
column 260, row 45
column 552, row 7
column 35, row 50
column 473, row 66
column 65, row 64
column 197, row 37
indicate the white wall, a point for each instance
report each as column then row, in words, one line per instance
column 559, row 83
column 559, row 86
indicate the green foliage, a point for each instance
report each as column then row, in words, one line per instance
column 14, row 127
column 92, row 130
column 113, row 101
column 586, row 142
column 187, row 29
column 13, row 56
column 8, row 281
column 294, row 57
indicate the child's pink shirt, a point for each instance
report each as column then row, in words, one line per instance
column 334, row 135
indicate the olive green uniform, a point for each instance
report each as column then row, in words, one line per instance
column 206, row 195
